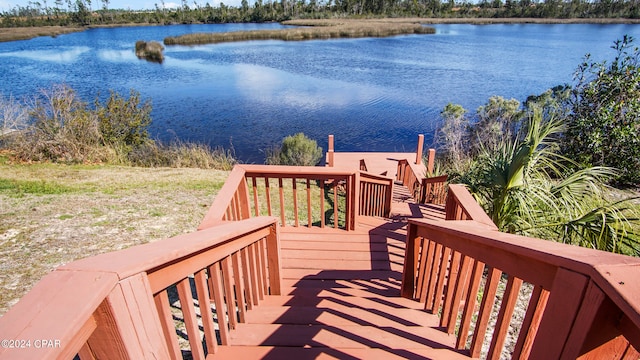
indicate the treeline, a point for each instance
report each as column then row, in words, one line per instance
column 86, row 12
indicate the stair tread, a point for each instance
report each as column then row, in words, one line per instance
column 346, row 336
column 299, row 353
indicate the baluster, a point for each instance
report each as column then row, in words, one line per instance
column 321, row 203
column 204, row 301
column 237, row 277
column 309, row 218
column 452, row 280
column 267, row 191
column 256, row 204
column 248, row 284
column 433, row 279
column 504, row 316
column 161, row 300
column 229, row 293
column 488, row 299
column 531, row 322
column 442, row 278
column 190, row 318
column 281, row 194
column 295, row 201
column 218, row 298
column 461, row 284
column 470, row 305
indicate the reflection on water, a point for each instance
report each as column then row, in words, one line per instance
column 373, row 94
column 117, row 55
column 61, row 55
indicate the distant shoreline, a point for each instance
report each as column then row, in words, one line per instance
column 26, row 33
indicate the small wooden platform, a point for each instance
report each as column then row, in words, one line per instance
column 341, row 300
column 377, row 162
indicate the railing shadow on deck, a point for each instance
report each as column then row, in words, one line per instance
column 326, row 320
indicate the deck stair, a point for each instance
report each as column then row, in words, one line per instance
column 341, row 299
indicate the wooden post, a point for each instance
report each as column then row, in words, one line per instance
column 274, row 261
column 330, row 152
column 431, row 160
column 419, row 150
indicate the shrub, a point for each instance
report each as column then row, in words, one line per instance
column 604, row 127
column 123, row 122
column 295, row 150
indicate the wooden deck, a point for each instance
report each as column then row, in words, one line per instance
column 345, row 266
column 341, row 299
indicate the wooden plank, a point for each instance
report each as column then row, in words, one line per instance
column 161, row 301
column 330, row 352
column 260, row 268
column 239, row 285
column 470, row 305
column 431, row 290
column 488, row 298
column 253, row 274
column 202, row 290
column 267, row 191
column 256, row 204
column 452, row 281
column 246, row 271
column 354, row 336
column 462, row 284
column 218, row 298
column 309, row 218
column 190, row 318
column 443, row 277
column 230, row 298
column 530, row 323
column 294, row 185
column 274, row 258
column 593, row 299
column 564, row 301
column 264, row 266
column 60, row 304
column 410, row 265
column 322, row 220
column 283, row 219
column 507, row 306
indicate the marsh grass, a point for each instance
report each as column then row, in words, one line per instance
column 309, row 30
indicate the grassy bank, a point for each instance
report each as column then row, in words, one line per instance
column 309, row 30
column 25, row 33
column 53, row 214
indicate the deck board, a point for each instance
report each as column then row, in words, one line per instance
column 341, row 299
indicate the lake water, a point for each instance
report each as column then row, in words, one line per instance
column 372, row 94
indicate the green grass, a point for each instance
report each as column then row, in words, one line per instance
column 36, row 187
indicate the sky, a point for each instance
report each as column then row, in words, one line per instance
column 6, row 5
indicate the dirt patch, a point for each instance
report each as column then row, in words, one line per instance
column 84, row 211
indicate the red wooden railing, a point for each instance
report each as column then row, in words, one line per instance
column 122, row 305
column 431, row 190
column 583, row 303
column 376, row 192
column 301, row 196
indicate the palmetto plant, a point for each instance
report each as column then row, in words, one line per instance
column 526, row 187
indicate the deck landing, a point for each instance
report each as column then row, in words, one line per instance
column 341, row 300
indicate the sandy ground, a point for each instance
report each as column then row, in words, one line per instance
column 99, row 209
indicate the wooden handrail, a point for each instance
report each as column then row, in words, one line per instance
column 461, row 205
column 409, row 174
column 584, row 302
column 116, row 305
